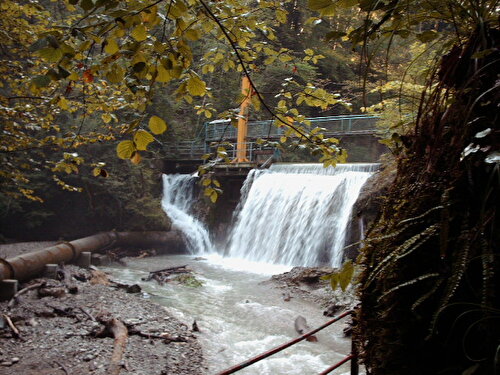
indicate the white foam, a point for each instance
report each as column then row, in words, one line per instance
column 245, row 265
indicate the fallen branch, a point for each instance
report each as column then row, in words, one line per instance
column 162, row 336
column 120, row 333
column 13, row 328
column 14, row 300
column 62, row 367
column 162, row 275
column 88, row 314
column 171, row 269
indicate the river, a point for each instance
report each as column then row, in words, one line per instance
column 240, row 315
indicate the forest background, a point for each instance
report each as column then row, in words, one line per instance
column 66, row 103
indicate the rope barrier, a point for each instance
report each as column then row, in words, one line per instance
column 269, row 353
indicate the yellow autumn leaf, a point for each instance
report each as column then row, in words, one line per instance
column 157, row 125
column 213, row 197
column 63, row 103
column 111, row 47
column 125, row 149
column 115, row 74
column 163, row 74
column 74, row 76
column 139, row 33
column 96, row 171
column 196, row 86
column 106, row 117
column 142, row 139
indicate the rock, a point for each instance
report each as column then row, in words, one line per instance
column 133, row 288
column 88, row 357
column 332, row 310
column 195, row 327
column 51, row 292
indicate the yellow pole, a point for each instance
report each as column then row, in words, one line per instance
column 241, row 147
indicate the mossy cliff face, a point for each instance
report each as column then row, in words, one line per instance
column 429, row 295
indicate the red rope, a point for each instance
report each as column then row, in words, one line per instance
column 330, row 369
column 260, row 357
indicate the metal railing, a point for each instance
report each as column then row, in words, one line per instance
column 361, row 124
column 222, row 130
column 186, row 149
column 351, row 357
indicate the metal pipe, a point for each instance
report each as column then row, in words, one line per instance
column 25, row 266
column 337, row 365
column 268, row 353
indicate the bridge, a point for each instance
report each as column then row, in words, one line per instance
column 218, row 131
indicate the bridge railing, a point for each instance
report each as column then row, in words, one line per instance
column 186, row 149
column 222, row 129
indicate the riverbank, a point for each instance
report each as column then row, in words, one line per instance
column 61, row 332
column 64, row 327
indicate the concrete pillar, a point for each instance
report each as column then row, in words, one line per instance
column 8, row 287
column 84, row 260
column 50, row 271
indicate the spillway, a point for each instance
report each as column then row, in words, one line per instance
column 297, row 214
column 289, row 214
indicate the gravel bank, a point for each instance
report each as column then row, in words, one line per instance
column 58, row 334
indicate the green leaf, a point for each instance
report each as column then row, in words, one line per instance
column 334, row 280
column 142, row 139
column 196, row 86
column 427, row 36
column 325, row 7
column 87, row 4
column 157, row 125
column 139, row 33
column 345, row 275
column 334, row 35
column 51, row 54
column 41, row 81
column 346, row 3
column 125, row 149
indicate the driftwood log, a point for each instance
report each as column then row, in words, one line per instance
column 115, row 328
column 163, row 275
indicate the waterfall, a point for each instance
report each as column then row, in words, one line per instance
column 296, row 214
column 178, row 197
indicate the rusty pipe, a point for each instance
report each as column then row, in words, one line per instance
column 25, row 266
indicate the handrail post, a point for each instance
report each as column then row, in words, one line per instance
column 354, row 360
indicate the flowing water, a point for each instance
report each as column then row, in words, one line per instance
column 289, row 215
column 177, row 202
column 297, row 214
column 239, row 317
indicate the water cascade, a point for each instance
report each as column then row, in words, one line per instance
column 178, row 197
column 296, row 214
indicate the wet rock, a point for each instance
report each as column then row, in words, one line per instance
column 133, row 288
column 332, row 310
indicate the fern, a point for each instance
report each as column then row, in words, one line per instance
column 408, row 283
column 386, row 262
